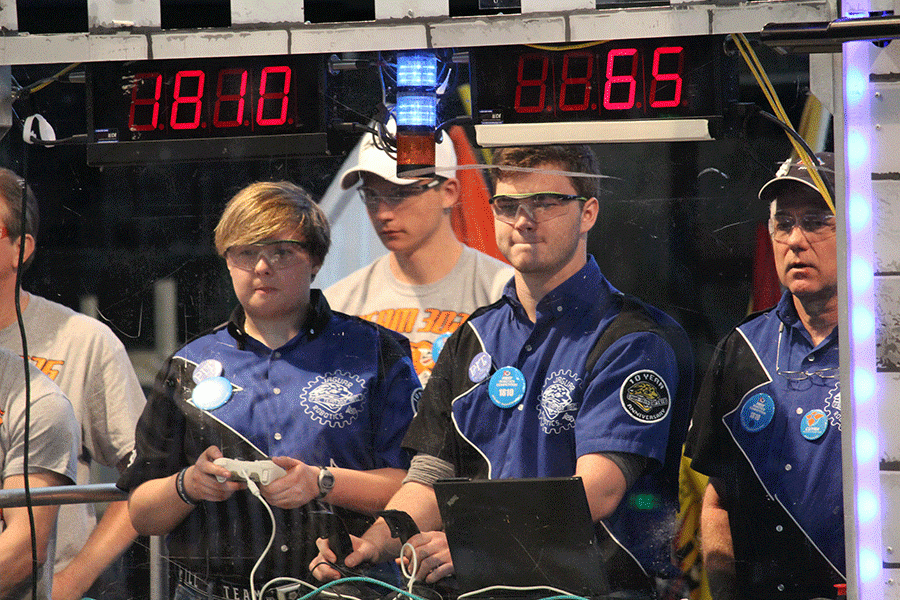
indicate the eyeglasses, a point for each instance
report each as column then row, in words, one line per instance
column 373, row 198
column 824, row 374
column 816, row 226
column 279, row 254
column 539, row 207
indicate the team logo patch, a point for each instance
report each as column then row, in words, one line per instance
column 557, row 407
column 334, row 399
column 833, row 406
column 645, row 397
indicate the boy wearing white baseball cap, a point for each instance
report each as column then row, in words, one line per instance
column 429, row 282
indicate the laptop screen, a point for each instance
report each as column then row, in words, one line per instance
column 519, row 534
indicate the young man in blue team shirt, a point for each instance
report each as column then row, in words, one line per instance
column 326, row 396
column 767, row 427
column 562, row 376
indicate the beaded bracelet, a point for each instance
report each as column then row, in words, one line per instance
column 182, row 492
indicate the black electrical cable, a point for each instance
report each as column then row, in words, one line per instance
column 26, row 365
column 78, row 138
column 799, row 138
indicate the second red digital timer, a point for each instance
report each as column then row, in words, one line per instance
column 618, row 87
column 620, row 80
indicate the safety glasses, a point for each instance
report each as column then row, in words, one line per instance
column 538, row 207
column 815, row 226
column 373, row 198
column 279, row 254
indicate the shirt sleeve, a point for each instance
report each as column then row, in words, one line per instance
column 431, row 431
column 629, row 398
column 395, row 404
column 113, row 403
column 159, row 438
column 53, row 434
column 708, row 444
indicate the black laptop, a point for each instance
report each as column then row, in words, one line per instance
column 515, row 537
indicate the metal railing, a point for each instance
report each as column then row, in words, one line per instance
column 63, row 494
column 92, row 493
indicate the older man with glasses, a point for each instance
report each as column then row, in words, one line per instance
column 429, row 282
column 767, row 426
column 325, row 396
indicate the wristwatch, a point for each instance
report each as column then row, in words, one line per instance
column 326, row 482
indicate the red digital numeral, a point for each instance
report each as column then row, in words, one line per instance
column 137, row 85
column 181, row 99
column 226, row 83
column 528, row 83
column 278, row 96
column 627, row 80
column 674, row 75
column 584, row 63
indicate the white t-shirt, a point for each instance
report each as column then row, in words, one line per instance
column 90, row 365
column 421, row 312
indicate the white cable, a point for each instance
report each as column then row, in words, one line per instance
column 517, row 589
column 254, row 489
column 414, row 561
column 442, row 88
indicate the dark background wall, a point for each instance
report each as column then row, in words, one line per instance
column 677, row 222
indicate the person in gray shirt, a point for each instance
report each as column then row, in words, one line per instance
column 429, row 282
column 90, row 365
column 52, row 452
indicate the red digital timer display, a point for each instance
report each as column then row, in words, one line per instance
column 625, row 79
column 229, row 102
column 206, row 98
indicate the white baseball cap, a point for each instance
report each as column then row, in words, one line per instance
column 373, row 158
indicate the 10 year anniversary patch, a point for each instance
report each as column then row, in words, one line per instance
column 645, row 397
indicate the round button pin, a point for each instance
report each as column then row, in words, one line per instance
column 438, row 345
column 757, row 412
column 211, row 393
column 206, row 369
column 814, row 424
column 479, row 367
column 507, row 387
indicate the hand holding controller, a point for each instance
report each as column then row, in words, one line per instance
column 263, row 472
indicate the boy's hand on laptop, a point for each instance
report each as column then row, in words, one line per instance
column 433, row 553
column 363, row 551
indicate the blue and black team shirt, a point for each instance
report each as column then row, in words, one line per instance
column 768, row 427
column 341, row 393
column 602, row 373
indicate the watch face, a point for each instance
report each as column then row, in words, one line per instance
column 326, row 480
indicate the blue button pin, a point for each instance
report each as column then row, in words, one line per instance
column 814, row 424
column 211, row 393
column 479, row 367
column 507, row 387
column 438, row 345
column 757, row 412
column 206, row 369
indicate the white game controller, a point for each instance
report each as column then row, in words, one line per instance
column 261, row 471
